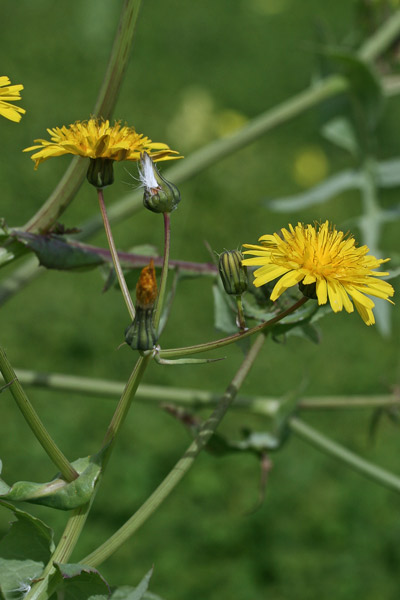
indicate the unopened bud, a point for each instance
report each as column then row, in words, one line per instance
column 309, row 290
column 160, row 195
column 141, row 335
column 232, row 272
column 100, row 172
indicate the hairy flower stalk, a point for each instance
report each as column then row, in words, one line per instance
column 10, row 93
column 326, row 264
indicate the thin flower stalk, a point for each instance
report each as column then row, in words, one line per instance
column 216, row 344
column 164, row 272
column 115, row 259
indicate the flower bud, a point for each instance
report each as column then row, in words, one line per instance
column 141, row 335
column 100, row 172
column 160, row 195
column 232, row 272
column 309, row 290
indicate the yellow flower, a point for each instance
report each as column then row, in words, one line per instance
column 325, row 259
column 10, row 93
column 97, row 139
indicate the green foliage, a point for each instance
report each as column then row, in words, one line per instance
column 311, row 532
column 24, row 551
column 58, row 493
column 79, row 582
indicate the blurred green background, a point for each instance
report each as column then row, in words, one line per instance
column 197, row 71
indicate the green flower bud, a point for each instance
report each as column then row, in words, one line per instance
column 309, row 290
column 100, row 172
column 160, row 195
column 232, row 272
column 141, row 334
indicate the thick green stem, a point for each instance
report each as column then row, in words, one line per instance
column 182, row 466
column 193, row 398
column 44, row 587
column 67, row 188
column 186, row 351
column 114, row 254
column 34, row 422
column 164, row 272
column 352, row 460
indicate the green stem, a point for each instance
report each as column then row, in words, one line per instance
column 44, row 587
column 70, row 183
column 34, row 422
column 164, row 272
column 124, row 404
column 241, row 321
column 381, row 39
column 193, row 398
column 352, row 460
column 182, row 466
column 114, row 254
column 186, row 351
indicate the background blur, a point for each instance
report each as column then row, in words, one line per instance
column 198, row 71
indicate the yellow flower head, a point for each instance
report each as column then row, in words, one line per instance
column 327, row 258
column 97, row 139
column 10, row 93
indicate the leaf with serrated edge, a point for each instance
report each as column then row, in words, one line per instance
column 24, row 551
column 81, row 582
column 137, row 593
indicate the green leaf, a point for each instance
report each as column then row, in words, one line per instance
column 24, row 551
column 364, row 86
column 383, row 315
column 309, row 313
column 57, row 493
column 54, row 252
column 80, row 582
column 135, row 593
column 331, row 187
column 340, row 131
column 388, row 173
column 224, row 311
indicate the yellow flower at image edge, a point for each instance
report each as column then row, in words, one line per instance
column 95, row 139
column 325, row 259
column 10, row 93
